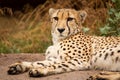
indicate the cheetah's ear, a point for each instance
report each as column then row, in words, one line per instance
column 51, row 11
column 83, row 15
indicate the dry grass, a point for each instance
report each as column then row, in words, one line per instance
column 29, row 31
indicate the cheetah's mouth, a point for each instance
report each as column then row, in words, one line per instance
column 62, row 36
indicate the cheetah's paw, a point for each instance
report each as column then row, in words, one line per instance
column 16, row 69
column 36, row 72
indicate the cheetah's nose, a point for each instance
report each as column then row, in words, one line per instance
column 61, row 30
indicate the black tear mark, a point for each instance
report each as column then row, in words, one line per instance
column 68, row 26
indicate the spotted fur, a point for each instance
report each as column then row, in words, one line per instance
column 72, row 49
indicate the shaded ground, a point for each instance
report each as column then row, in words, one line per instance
column 7, row 59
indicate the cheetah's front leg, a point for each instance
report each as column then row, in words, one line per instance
column 67, row 66
column 21, row 67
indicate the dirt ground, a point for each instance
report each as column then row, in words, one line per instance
column 7, row 59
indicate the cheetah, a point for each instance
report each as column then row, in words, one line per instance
column 73, row 50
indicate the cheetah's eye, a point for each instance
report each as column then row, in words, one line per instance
column 70, row 19
column 55, row 18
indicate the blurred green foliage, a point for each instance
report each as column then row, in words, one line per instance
column 112, row 27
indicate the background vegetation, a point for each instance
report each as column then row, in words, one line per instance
column 27, row 30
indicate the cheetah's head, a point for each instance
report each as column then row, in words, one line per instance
column 65, row 22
